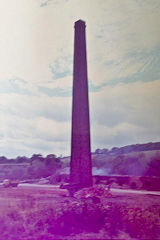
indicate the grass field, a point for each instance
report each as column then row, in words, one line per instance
column 36, row 214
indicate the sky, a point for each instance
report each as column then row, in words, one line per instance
column 36, row 56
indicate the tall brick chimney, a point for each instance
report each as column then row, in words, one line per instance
column 80, row 165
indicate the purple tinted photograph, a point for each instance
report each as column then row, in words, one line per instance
column 80, row 120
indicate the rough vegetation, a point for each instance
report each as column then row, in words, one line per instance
column 91, row 214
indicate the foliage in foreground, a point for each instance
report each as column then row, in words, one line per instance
column 89, row 212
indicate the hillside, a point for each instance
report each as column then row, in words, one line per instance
column 130, row 148
column 137, row 160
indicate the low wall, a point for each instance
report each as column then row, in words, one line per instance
column 121, row 181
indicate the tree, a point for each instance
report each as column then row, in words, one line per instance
column 154, row 166
column 3, row 159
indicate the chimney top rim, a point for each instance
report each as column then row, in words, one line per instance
column 80, row 22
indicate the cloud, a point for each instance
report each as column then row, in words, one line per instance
column 29, row 130
column 125, row 114
column 123, row 52
column 45, row 3
column 120, row 115
column 34, row 38
column 35, row 106
column 61, row 67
